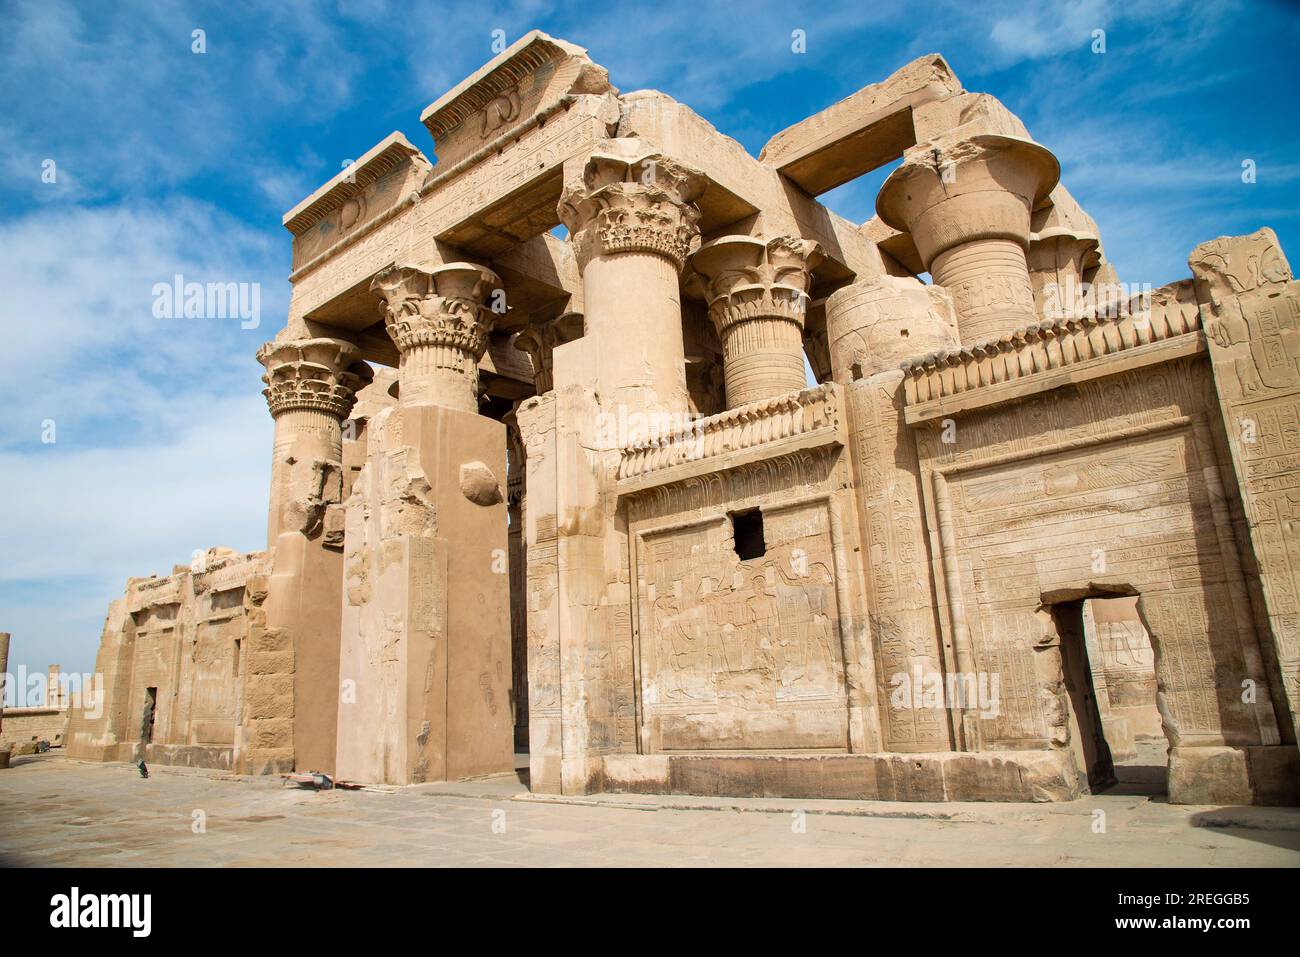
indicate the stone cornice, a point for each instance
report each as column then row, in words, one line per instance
column 1043, row 348
column 389, row 154
column 809, row 415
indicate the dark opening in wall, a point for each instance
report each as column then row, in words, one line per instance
column 747, row 531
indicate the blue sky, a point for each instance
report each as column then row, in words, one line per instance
column 173, row 162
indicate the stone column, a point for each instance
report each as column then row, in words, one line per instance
column 875, row 324
column 293, row 707
column 757, row 293
column 516, row 502
column 966, row 203
column 439, row 320
column 1059, row 257
column 547, row 329
column 311, row 385
column 631, row 221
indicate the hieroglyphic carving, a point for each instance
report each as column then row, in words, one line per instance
column 742, row 654
column 902, row 615
column 1251, row 309
column 1094, row 514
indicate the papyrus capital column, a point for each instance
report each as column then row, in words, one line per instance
column 967, row 205
column 439, row 319
column 631, row 221
column 1059, row 258
column 546, row 330
column 757, row 293
column 311, row 386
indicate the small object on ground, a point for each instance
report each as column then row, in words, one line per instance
column 144, row 769
column 311, row 779
column 42, row 747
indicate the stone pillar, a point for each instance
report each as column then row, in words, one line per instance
column 757, row 293
column 875, row 324
column 1059, row 258
column 439, row 320
column 516, row 502
column 631, row 221
column 311, row 385
column 966, row 203
column 293, row 697
column 4, row 670
column 425, row 603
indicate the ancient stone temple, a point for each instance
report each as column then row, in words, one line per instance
column 549, row 472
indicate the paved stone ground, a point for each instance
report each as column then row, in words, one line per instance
column 59, row 812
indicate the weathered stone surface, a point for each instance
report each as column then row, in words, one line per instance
column 1020, row 529
column 479, row 484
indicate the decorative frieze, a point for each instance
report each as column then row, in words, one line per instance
column 794, row 415
column 1040, row 348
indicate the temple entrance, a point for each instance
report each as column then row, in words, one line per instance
column 1108, row 666
column 1087, row 737
column 150, row 713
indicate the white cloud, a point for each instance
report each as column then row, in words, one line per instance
column 1034, row 33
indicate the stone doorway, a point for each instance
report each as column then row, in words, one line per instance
column 1108, row 672
column 1092, row 751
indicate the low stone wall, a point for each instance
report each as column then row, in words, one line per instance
column 24, row 726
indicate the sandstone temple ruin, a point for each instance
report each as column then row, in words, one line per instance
column 572, row 488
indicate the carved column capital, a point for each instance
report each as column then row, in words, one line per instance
column 966, row 203
column 632, row 199
column 746, row 278
column 545, row 330
column 320, row 375
column 757, row 292
column 1059, row 257
column 954, row 191
column 439, row 319
column 445, row 306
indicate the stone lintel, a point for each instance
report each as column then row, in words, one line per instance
column 861, row 132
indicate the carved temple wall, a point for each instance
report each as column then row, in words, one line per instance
column 590, row 505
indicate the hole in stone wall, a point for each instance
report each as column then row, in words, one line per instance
column 747, row 532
